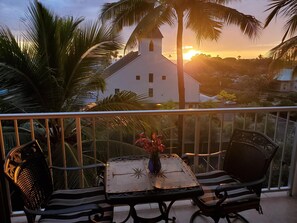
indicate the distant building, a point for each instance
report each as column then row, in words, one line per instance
column 147, row 72
column 285, row 81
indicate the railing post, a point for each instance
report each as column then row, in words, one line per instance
column 197, row 143
column 294, row 185
column 4, row 202
column 4, row 198
column 293, row 170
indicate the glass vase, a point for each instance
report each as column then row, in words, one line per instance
column 154, row 164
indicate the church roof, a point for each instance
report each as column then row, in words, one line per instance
column 120, row 63
column 154, row 34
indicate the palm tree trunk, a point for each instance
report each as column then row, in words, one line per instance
column 180, row 74
column 180, row 63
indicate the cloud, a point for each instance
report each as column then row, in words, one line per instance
column 12, row 12
column 89, row 9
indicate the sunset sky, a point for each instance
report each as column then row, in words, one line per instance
column 231, row 43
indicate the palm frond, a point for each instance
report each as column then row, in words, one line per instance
column 124, row 100
column 248, row 24
column 286, row 50
column 17, row 73
column 154, row 19
column 54, row 63
column 126, row 12
column 201, row 21
column 90, row 45
column 285, row 8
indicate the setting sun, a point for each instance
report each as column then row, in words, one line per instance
column 190, row 53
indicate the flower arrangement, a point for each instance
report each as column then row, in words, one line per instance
column 151, row 145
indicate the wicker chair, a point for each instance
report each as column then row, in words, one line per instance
column 238, row 186
column 27, row 168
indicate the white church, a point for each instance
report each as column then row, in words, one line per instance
column 147, row 72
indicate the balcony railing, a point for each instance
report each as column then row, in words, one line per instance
column 80, row 138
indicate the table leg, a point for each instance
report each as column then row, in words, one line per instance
column 138, row 219
column 164, row 214
column 167, row 210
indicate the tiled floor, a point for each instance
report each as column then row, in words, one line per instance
column 277, row 208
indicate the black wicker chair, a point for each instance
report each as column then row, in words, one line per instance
column 238, row 186
column 27, row 168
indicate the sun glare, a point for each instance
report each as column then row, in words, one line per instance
column 190, row 53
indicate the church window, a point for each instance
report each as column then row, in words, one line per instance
column 151, row 92
column 151, row 77
column 137, row 77
column 151, row 46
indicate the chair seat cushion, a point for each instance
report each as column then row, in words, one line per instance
column 211, row 180
column 74, row 197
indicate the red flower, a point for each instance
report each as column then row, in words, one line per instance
column 150, row 145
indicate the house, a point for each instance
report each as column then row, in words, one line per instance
column 147, row 72
column 285, row 81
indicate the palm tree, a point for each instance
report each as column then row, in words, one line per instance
column 52, row 67
column 205, row 17
column 286, row 50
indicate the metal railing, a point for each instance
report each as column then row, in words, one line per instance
column 80, row 138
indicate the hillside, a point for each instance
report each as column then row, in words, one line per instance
column 215, row 73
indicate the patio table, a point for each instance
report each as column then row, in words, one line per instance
column 128, row 181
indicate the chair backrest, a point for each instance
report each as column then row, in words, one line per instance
column 249, row 155
column 26, row 166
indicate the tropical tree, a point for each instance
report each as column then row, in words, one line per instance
column 52, row 67
column 205, row 17
column 286, row 50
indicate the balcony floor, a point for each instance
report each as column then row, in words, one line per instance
column 277, row 207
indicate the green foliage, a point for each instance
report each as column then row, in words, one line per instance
column 208, row 104
column 286, row 50
column 266, row 104
column 215, row 73
column 205, row 18
column 292, row 96
column 51, row 68
column 225, row 96
column 286, row 102
column 168, row 105
column 246, row 97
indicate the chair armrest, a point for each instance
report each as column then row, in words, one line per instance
column 222, row 190
column 79, row 167
column 91, row 207
column 205, row 154
column 100, row 170
column 186, row 157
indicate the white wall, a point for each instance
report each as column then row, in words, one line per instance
column 151, row 62
column 164, row 90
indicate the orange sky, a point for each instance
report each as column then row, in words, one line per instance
column 231, row 43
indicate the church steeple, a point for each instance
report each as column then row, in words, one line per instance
column 151, row 43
